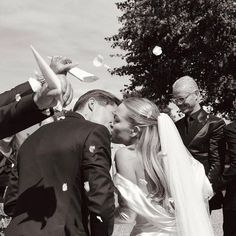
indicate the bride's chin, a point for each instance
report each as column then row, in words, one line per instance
column 114, row 139
column 117, row 140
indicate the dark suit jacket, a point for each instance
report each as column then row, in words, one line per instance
column 228, row 179
column 55, row 165
column 16, row 116
column 205, row 142
column 10, row 95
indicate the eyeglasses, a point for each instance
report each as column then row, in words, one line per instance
column 181, row 100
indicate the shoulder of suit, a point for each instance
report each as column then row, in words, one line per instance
column 216, row 123
column 231, row 127
column 95, row 127
column 80, row 121
column 215, row 118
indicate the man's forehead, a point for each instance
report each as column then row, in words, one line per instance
column 182, row 91
column 185, row 85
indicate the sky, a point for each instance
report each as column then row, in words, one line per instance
column 72, row 28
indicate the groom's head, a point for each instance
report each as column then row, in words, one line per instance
column 97, row 106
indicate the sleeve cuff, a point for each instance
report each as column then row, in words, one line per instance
column 35, row 84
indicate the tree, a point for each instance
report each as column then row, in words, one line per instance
column 197, row 38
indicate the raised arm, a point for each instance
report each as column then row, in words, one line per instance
column 10, row 95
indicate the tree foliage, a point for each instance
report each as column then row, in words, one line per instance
column 197, row 37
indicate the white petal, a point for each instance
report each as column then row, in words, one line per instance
column 98, row 61
column 92, row 149
column 64, row 187
column 86, row 186
column 157, row 51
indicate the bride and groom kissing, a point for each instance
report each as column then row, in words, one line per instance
column 62, row 185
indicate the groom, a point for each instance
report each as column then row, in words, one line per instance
column 64, row 174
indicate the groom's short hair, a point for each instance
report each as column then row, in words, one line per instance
column 104, row 98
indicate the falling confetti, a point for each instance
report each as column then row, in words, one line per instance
column 157, row 51
column 98, row 61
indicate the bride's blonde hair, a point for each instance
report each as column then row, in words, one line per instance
column 144, row 114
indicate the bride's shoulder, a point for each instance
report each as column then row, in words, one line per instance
column 125, row 153
column 125, row 162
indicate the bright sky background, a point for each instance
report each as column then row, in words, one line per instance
column 74, row 28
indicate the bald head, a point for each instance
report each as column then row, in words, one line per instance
column 186, row 95
column 185, row 83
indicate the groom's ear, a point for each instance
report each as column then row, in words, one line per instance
column 135, row 131
column 91, row 103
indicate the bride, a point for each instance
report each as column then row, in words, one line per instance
column 160, row 183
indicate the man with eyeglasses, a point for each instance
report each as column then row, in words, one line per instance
column 202, row 133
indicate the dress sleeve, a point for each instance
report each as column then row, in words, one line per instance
column 142, row 205
column 123, row 214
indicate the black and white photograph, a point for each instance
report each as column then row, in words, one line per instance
column 118, row 118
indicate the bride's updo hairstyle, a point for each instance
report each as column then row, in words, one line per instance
column 143, row 115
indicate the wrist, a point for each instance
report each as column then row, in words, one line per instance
column 35, row 84
column 48, row 111
column 36, row 99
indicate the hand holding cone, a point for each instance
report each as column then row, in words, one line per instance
column 48, row 74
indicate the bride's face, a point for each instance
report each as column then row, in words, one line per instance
column 122, row 129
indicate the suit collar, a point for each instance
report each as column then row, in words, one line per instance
column 202, row 116
column 201, row 125
column 199, row 115
column 74, row 115
column 197, row 128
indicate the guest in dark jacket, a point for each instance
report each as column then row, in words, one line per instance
column 202, row 133
column 228, row 182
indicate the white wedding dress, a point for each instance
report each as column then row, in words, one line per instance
column 151, row 219
column 187, row 214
